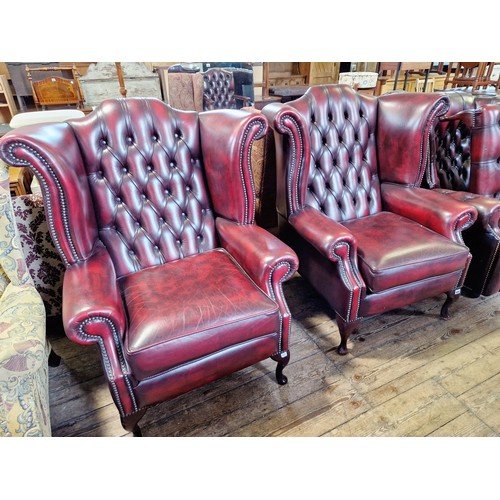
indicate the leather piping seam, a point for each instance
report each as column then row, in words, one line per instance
column 106, row 361
column 466, row 225
column 293, row 161
column 47, row 197
column 439, row 106
column 346, row 280
column 249, row 219
column 273, row 296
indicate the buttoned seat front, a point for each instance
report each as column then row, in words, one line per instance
column 152, row 210
column 367, row 240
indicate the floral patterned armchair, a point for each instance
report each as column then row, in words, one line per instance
column 24, row 350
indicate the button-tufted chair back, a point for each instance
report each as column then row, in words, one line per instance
column 218, row 89
column 451, row 146
column 451, row 165
column 342, row 171
column 144, row 169
column 152, row 210
column 485, row 150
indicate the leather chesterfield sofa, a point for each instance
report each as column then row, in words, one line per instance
column 152, row 210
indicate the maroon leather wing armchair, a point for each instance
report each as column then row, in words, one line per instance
column 367, row 241
column 464, row 165
column 152, row 211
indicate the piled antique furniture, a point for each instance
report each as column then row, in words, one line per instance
column 367, row 240
column 24, row 350
column 152, row 211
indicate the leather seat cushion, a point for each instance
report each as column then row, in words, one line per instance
column 190, row 308
column 394, row 251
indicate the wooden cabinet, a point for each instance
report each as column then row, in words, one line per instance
column 283, row 74
column 319, row 73
column 7, row 104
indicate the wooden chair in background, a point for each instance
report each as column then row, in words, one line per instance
column 476, row 75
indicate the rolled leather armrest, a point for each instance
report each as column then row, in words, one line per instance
column 439, row 213
column 92, row 305
column 45, row 148
column 323, row 233
column 488, row 208
column 258, row 252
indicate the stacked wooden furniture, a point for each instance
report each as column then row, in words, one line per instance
column 7, row 104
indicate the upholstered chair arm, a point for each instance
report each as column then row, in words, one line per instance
column 467, row 116
column 488, row 209
column 337, row 244
column 442, row 214
column 92, row 306
column 267, row 260
column 227, row 138
column 326, row 235
column 93, row 313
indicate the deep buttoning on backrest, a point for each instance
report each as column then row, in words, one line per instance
column 218, row 89
column 144, row 168
column 342, row 181
column 452, row 142
column 453, row 155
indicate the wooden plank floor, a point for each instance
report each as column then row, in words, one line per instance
column 408, row 373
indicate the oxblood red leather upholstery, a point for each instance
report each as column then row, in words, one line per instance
column 366, row 239
column 152, row 210
column 464, row 164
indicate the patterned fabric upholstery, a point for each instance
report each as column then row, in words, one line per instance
column 185, row 91
column 42, row 259
column 24, row 350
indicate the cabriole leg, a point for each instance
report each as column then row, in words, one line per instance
column 346, row 329
column 283, row 359
column 450, row 299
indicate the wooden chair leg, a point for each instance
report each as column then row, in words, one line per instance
column 283, row 359
column 54, row 359
column 451, row 298
column 346, row 329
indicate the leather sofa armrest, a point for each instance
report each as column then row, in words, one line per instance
column 441, row 214
column 265, row 258
column 92, row 304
